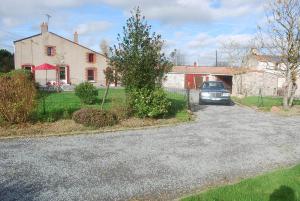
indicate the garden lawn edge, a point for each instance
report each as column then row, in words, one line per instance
column 223, row 183
column 98, row 131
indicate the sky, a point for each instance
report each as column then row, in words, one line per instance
column 197, row 28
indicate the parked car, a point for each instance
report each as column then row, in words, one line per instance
column 214, row 92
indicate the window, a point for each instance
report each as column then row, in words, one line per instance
column 91, row 75
column 62, row 73
column 50, row 51
column 27, row 68
column 91, row 57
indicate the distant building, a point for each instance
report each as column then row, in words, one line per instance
column 193, row 76
column 75, row 63
column 262, row 75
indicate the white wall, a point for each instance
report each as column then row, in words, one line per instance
column 174, row 81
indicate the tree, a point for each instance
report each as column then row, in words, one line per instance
column 234, row 53
column 138, row 55
column 281, row 38
column 109, row 76
column 6, row 61
column 104, row 48
column 177, row 58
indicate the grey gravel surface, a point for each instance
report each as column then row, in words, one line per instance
column 224, row 143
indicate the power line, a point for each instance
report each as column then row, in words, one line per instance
column 11, row 33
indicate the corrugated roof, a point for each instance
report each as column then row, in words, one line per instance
column 268, row 58
column 211, row 70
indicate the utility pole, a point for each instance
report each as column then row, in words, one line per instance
column 216, row 58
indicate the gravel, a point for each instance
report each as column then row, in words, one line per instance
column 225, row 143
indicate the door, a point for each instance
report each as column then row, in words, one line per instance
column 63, row 74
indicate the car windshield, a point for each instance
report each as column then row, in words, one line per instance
column 213, row 85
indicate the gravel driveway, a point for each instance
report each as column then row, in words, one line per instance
column 224, row 144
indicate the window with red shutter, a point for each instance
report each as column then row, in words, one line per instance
column 91, row 58
column 91, row 75
column 50, row 50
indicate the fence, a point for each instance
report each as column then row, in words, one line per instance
column 53, row 105
column 191, row 96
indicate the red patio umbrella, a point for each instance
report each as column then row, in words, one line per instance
column 45, row 67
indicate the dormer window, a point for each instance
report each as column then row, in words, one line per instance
column 91, row 57
column 50, row 50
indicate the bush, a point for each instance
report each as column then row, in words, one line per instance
column 149, row 103
column 95, row 117
column 18, row 96
column 87, row 93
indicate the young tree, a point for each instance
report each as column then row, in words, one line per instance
column 281, row 38
column 109, row 77
column 104, row 48
column 6, row 61
column 138, row 57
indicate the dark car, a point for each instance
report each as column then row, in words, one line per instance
column 214, row 92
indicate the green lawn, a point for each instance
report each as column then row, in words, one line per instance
column 265, row 103
column 61, row 105
column 282, row 185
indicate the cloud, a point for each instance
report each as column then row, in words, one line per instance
column 180, row 11
column 167, row 11
column 93, row 27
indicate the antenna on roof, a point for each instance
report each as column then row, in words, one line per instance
column 48, row 18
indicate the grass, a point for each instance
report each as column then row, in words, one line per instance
column 59, row 108
column 55, row 106
column 265, row 104
column 281, row 185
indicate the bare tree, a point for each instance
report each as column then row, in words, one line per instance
column 177, row 58
column 234, row 54
column 281, row 38
column 104, row 48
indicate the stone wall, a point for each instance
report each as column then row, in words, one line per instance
column 251, row 83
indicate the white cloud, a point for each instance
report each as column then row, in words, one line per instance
column 168, row 11
column 180, row 11
column 93, row 27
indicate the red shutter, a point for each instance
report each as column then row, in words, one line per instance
column 68, row 74
column 53, row 52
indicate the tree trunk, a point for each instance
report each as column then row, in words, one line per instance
column 105, row 95
column 286, row 96
column 293, row 91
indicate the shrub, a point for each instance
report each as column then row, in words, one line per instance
column 121, row 108
column 149, row 103
column 87, row 93
column 95, row 117
column 18, row 96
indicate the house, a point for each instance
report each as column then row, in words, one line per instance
column 192, row 77
column 75, row 63
column 261, row 76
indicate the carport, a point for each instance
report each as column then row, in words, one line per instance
column 194, row 76
column 226, row 79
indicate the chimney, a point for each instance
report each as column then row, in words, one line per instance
column 44, row 27
column 75, row 37
column 254, row 51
